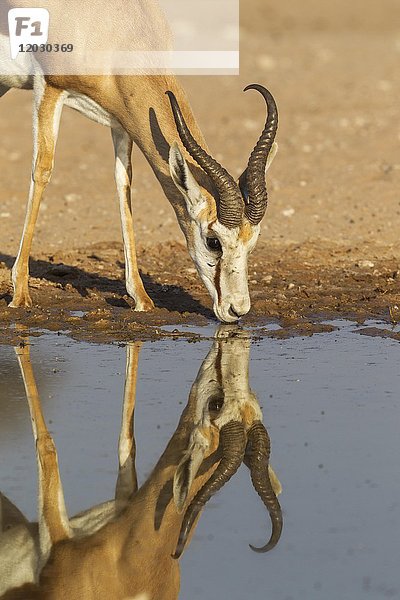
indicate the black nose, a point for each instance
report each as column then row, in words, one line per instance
column 234, row 313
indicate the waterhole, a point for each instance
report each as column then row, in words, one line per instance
column 330, row 404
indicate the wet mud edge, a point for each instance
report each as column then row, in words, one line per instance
column 296, row 286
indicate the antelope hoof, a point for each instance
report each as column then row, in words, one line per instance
column 21, row 300
column 144, row 305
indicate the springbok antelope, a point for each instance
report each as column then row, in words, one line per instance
column 220, row 217
column 128, row 547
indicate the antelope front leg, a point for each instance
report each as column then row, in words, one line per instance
column 123, row 177
column 46, row 119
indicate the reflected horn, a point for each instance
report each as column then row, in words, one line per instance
column 257, row 458
column 252, row 181
column 230, row 203
column 232, row 443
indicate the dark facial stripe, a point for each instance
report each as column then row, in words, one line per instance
column 217, row 280
column 218, row 366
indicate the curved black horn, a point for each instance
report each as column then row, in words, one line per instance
column 253, row 178
column 257, row 458
column 233, row 445
column 230, row 204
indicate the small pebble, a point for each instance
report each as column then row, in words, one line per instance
column 72, row 197
column 365, row 264
column 289, row 212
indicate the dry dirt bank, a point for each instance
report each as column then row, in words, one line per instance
column 329, row 243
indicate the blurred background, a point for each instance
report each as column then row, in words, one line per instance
column 333, row 68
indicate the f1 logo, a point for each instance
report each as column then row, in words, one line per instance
column 27, row 25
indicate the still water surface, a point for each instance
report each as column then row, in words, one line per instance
column 331, row 406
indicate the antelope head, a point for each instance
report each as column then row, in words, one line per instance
column 223, row 226
column 227, row 409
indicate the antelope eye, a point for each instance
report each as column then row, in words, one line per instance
column 214, row 244
column 215, row 404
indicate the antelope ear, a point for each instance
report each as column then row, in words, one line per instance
column 276, row 484
column 187, row 470
column 185, row 182
column 242, row 178
column 272, row 153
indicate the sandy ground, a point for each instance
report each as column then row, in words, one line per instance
column 329, row 242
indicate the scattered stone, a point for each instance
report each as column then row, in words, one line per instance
column 72, row 197
column 365, row 264
column 267, row 279
column 288, row 212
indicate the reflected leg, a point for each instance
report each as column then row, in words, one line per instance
column 127, row 479
column 53, row 520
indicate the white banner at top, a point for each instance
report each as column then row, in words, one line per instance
column 119, row 37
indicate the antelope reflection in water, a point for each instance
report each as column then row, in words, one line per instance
column 128, row 547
